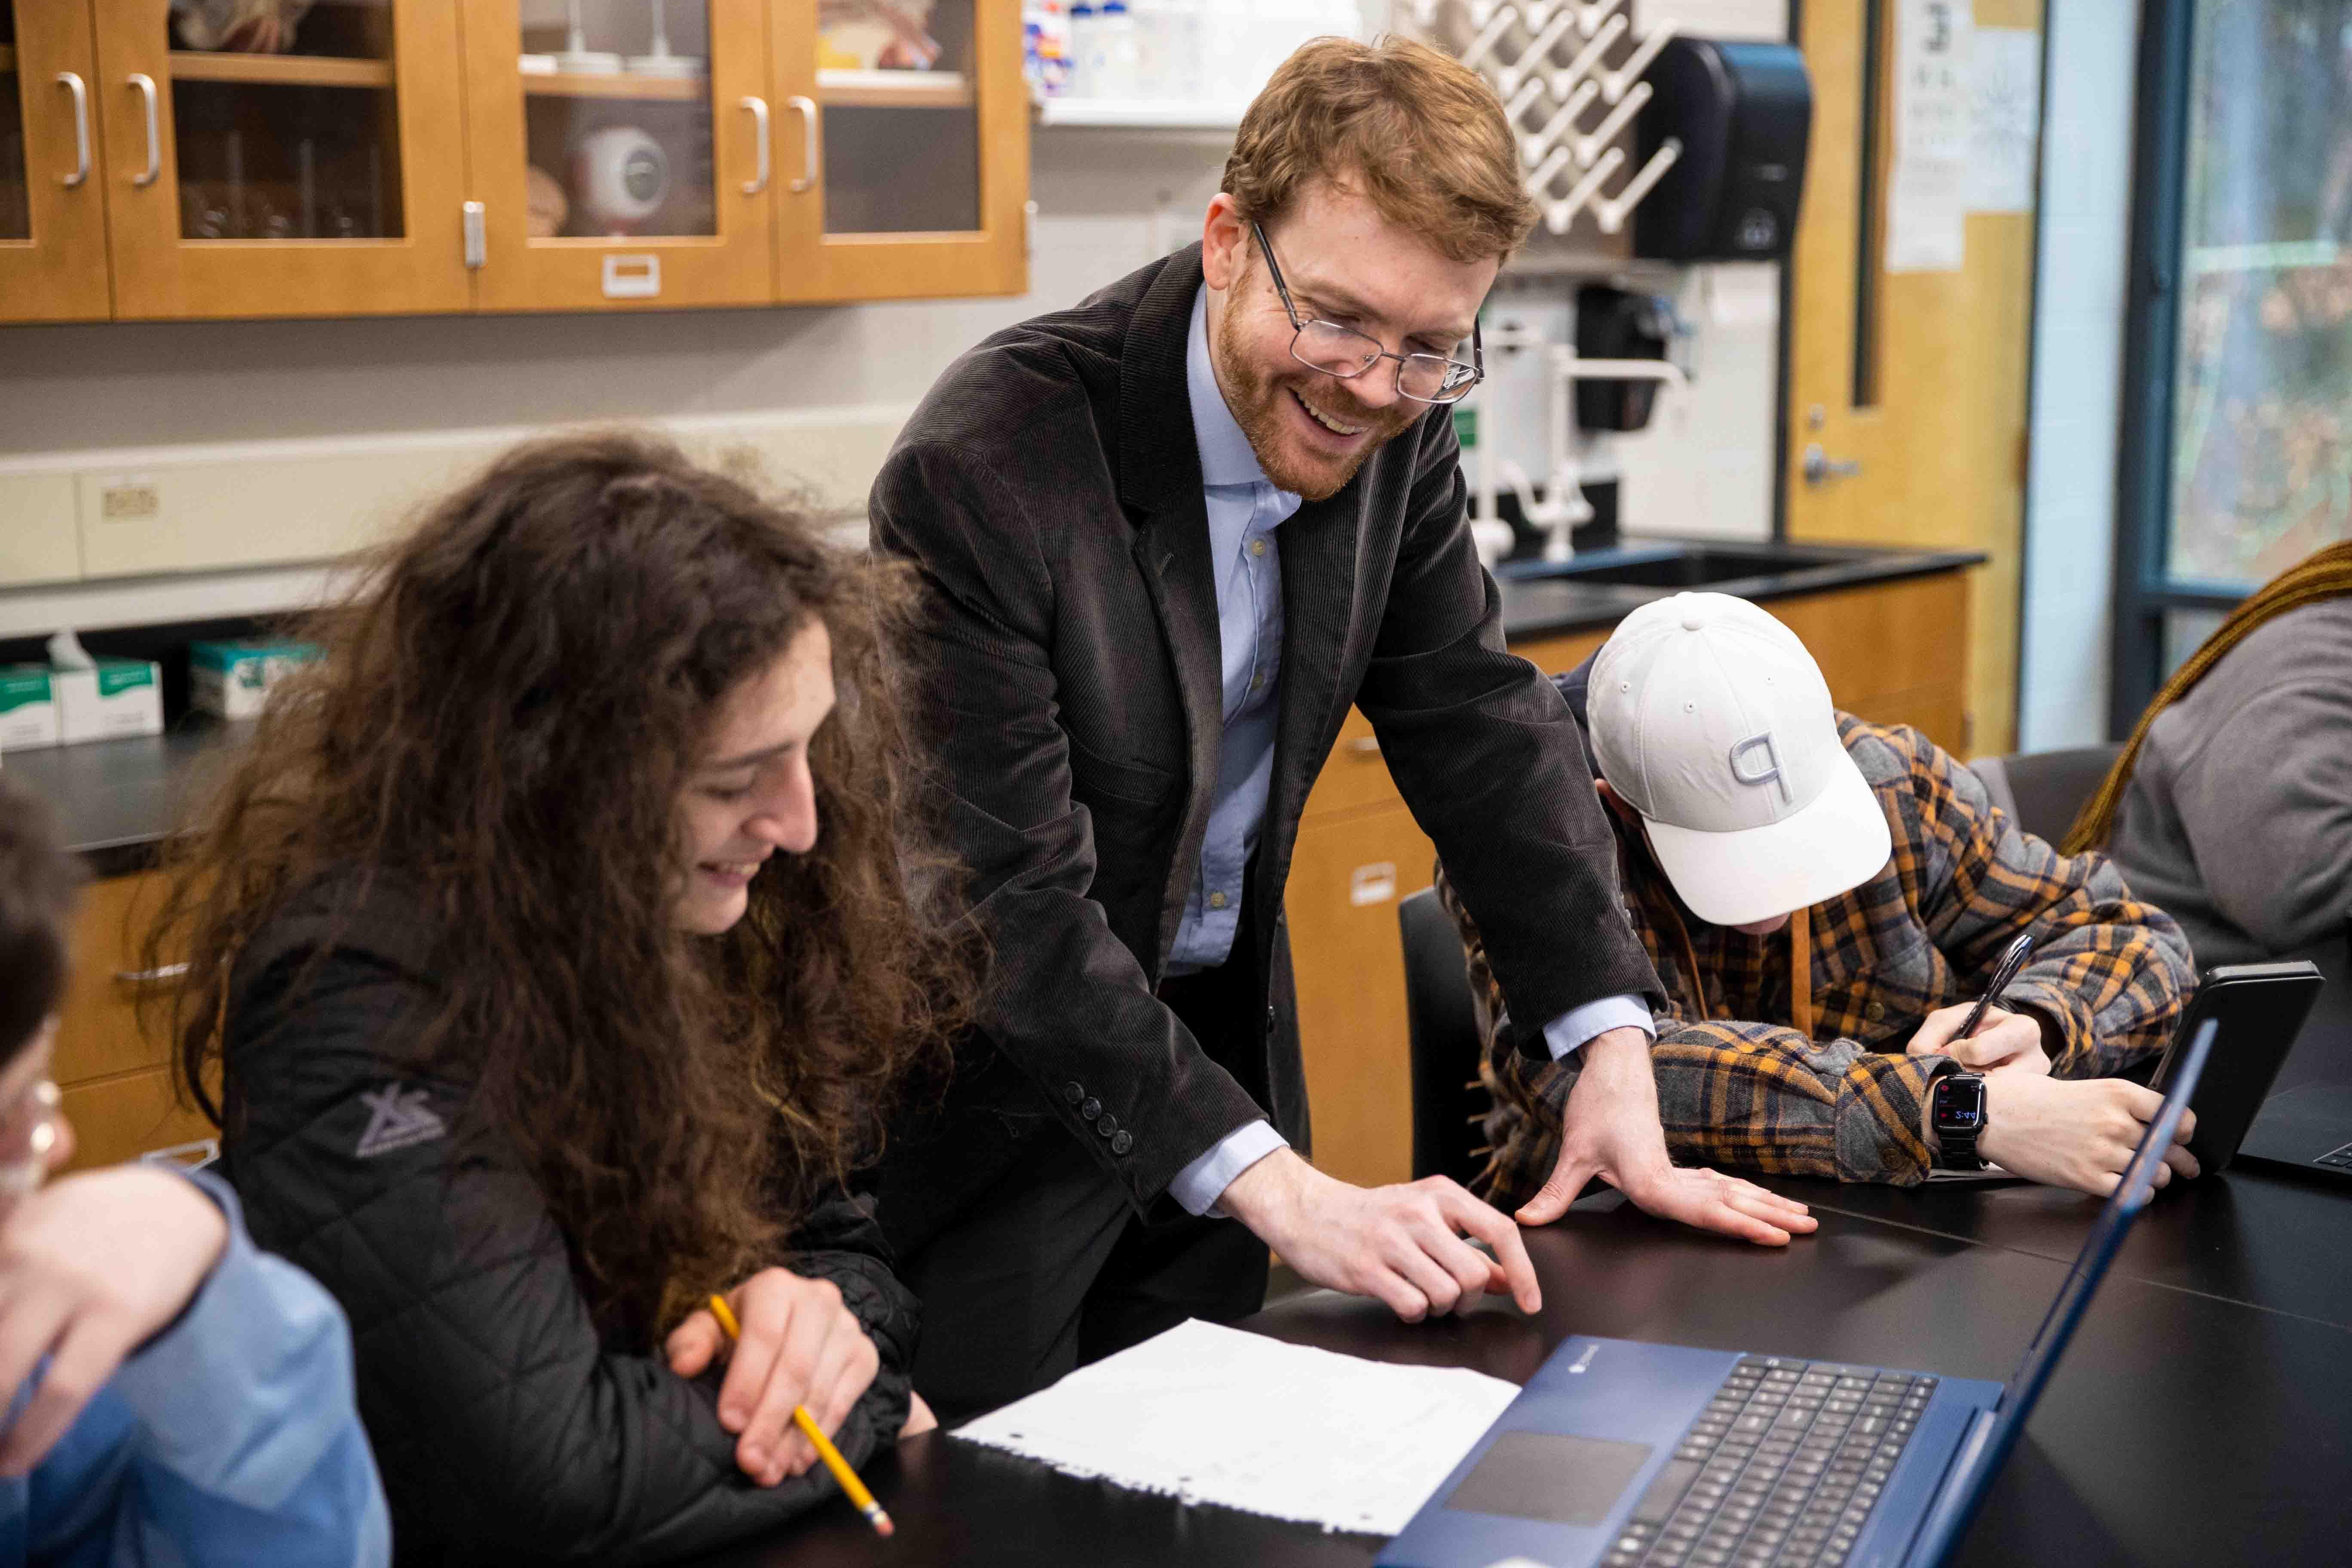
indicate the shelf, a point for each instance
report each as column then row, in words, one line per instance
column 894, row 89
column 1140, row 113
column 641, row 88
column 280, row 70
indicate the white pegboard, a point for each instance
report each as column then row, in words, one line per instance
column 1568, row 73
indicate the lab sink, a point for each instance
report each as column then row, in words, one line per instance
column 1670, row 566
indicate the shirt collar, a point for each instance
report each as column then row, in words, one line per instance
column 1226, row 458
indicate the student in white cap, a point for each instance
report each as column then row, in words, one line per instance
column 1825, row 900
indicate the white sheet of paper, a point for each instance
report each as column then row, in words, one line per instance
column 2005, row 131
column 1928, row 183
column 1221, row 1416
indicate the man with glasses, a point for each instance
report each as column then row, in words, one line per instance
column 177, row 1396
column 1168, row 537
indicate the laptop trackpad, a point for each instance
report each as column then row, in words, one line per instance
column 1542, row 1474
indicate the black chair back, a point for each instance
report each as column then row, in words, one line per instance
column 1443, row 1021
column 2043, row 791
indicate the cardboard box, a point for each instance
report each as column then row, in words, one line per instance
column 234, row 680
column 28, row 708
column 118, row 697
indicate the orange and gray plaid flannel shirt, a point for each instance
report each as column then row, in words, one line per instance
column 1737, row 1086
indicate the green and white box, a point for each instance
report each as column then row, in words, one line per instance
column 116, row 697
column 233, row 679
column 28, row 708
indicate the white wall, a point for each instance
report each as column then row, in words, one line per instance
column 2080, row 283
column 1107, row 202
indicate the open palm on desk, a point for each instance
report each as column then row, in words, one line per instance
column 1611, row 1130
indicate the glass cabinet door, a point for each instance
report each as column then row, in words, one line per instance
column 282, row 157
column 52, row 223
column 622, row 150
column 905, row 149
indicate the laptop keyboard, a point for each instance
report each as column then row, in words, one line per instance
column 1781, row 1467
column 2340, row 1159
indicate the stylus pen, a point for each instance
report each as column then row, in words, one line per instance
column 851, row 1486
column 2010, row 963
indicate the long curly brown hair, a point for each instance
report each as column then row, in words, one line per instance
column 504, row 719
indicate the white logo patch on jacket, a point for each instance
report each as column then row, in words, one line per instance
column 401, row 1121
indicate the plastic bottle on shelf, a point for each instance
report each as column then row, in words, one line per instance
column 1113, row 68
column 1180, row 66
column 1151, row 19
column 1083, row 44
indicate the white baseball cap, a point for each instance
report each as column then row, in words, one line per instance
column 1712, row 720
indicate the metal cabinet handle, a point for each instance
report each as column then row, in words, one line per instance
column 145, row 85
column 1820, row 466
column 759, row 108
column 151, row 976
column 806, row 109
column 1365, row 745
column 73, row 85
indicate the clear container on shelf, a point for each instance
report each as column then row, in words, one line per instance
column 1082, row 51
column 1114, row 71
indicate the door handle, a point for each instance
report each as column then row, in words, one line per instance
column 1821, row 467
column 759, row 108
column 806, row 109
column 145, row 85
column 73, row 84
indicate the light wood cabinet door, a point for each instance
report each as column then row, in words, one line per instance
column 52, row 195
column 1347, row 958
column 624, row 165
column 318, row 173
column 903, row 151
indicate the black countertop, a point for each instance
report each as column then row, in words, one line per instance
column 120, row 799
column 1534, row 605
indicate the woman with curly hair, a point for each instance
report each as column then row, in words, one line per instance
column 560, row 944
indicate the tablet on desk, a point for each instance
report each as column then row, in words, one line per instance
column 2260, row 1009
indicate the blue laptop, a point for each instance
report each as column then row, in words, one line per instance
column 1619, row 1453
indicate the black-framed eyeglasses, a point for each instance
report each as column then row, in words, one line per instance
column 1347, row 353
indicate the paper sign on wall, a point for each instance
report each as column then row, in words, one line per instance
column 1928, row 183
column 2005, row 98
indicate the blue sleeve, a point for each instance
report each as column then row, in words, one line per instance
column 233, row 1433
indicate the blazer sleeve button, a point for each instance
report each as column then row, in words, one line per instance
column 1106, row 1124
column 1091, row 1109
column 1122, row 1144
column 1074, row 1092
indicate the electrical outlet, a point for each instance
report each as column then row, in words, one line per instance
column 129, row 499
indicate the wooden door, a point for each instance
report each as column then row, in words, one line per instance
column 904, row 153
column 320, row 177
column 622, row 169
column 52, row 195
column 1907, row 387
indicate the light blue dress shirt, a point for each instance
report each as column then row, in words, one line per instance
column 1244, row 510
column 228, row 1439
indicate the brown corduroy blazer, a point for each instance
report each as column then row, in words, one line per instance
column 1049, row 490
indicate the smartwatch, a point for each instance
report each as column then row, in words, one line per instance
column 1956, row 1109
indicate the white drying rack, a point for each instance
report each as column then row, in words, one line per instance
column 1567, row 166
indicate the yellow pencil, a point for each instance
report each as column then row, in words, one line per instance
column 851, row 1486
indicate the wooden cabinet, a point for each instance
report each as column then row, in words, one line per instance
column 415, row 156
column 1895, row 653
column 327, row 182
column 52, row 195
column 903, row 182
column 112, row 1066
column 608, row 180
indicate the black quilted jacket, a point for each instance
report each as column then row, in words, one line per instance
column 508, row 1428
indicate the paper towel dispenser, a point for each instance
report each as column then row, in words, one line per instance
column 1742, row 112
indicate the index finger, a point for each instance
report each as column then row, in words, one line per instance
column 93, row 1346
column 1483, row 1222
